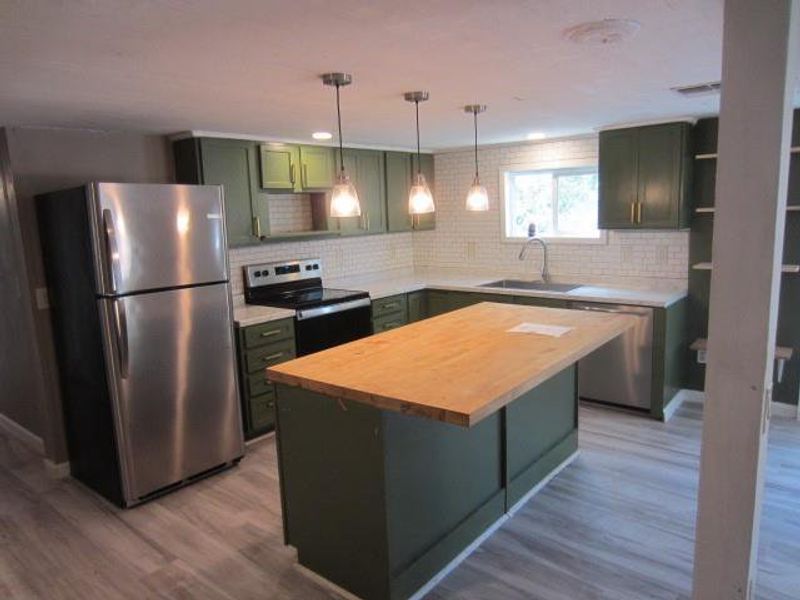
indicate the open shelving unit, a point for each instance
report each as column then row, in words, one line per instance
column 704, row 138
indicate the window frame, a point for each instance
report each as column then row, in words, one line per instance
column 578, row 165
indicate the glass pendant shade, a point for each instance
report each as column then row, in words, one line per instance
column 344, row 199
column 420, row 199
column 477, row 197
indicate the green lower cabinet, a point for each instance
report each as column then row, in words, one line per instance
column 258, row 347
column 388, row 322
column 442, row 301
column 417, row 306
column 546, row 302
column 379, row 502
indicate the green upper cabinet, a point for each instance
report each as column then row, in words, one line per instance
column 287, row 168
column 400, row 170
column 398, row 183
column 316, row 168
column 644, row 173
column 426, row 221
column 233, row 165
column 366, row 170
column 278, row 165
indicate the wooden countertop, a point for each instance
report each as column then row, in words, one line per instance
column 458, row 367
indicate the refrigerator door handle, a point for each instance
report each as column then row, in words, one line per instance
column 121, row 331
column 112, row 250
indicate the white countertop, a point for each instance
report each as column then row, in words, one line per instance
column 245, row 315
column 383, row 285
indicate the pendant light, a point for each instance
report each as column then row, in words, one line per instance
column 477, row 198
column 420, row 199
column 344, row 197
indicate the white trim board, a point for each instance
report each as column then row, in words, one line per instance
column 776, row 409
column 19, row 433
column 56, row 470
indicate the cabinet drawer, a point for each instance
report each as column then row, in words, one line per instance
column 273, row 354
column 259, row 384
column 387, row 322
column 387, row 306
column 268, row 333
column 262, row 411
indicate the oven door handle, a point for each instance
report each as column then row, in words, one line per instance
column 321, row 311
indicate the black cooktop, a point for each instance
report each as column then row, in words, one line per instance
column 300, row 298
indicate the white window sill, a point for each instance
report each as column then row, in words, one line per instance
column 557, row 240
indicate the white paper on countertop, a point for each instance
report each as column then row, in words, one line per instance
column 541, row 329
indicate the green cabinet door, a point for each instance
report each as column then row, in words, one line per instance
column 366, row 170
column 231, row 164
column 417, row 306
column 316, row 167
column 619, row 180
column 398, row 183
column 426, row 221
column 278, row 166
column 661, row 163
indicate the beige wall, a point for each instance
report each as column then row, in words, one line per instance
column 44, row 160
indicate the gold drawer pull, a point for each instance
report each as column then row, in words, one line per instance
column 272, row 357
column 633, row 212
column 391, row 305
column 270, row 333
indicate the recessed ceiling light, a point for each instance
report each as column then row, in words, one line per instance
column 322, row 135
column 536, row 135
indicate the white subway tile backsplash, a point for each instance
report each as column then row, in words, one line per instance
column 639, row 254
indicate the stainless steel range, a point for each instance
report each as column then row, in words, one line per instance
column 324, row 317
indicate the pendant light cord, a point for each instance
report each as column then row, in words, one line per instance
column 419, row 162
column 339, row 119
column 475, row 117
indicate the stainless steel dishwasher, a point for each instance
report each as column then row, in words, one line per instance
column 621, row 371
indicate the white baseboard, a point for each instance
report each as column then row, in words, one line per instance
column 19, row 433
column 779, row 409
column 56, row 470
column 776, row 409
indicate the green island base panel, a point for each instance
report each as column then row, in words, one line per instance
column 379, row 503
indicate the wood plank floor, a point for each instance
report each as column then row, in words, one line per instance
column 617, row 524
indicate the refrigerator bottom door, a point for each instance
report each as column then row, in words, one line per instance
column 174, row 379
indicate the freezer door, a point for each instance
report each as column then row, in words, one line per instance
column 172, row 372
column 153, row 236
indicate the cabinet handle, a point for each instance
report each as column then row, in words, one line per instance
column 391, row 305
column 270, row 333
column 633, row 212
column 291, row 173
column 272, row 357
column 257, row 227
column 638, row 212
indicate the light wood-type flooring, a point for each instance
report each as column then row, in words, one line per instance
column 616, row 524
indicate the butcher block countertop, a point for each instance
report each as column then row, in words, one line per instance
column 458, row 367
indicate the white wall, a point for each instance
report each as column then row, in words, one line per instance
column 474, row 240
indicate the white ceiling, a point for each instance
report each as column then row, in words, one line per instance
column 251, row 66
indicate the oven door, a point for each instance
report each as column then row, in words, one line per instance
column 327, row 326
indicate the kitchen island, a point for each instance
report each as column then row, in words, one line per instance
column 400, row 452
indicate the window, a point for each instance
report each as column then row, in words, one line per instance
column 562, row 203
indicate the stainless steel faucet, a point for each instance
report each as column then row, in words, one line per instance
column 543, row 274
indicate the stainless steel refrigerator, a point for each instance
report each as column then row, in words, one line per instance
column 138, row 279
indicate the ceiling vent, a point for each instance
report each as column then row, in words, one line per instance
column 699, row 89
column 602, row 33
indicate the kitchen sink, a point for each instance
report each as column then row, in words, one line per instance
column 519, row 284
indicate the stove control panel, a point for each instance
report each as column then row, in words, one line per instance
column 281, row 272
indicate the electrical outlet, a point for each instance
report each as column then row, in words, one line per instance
column 42, row 298
column 471, row 250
